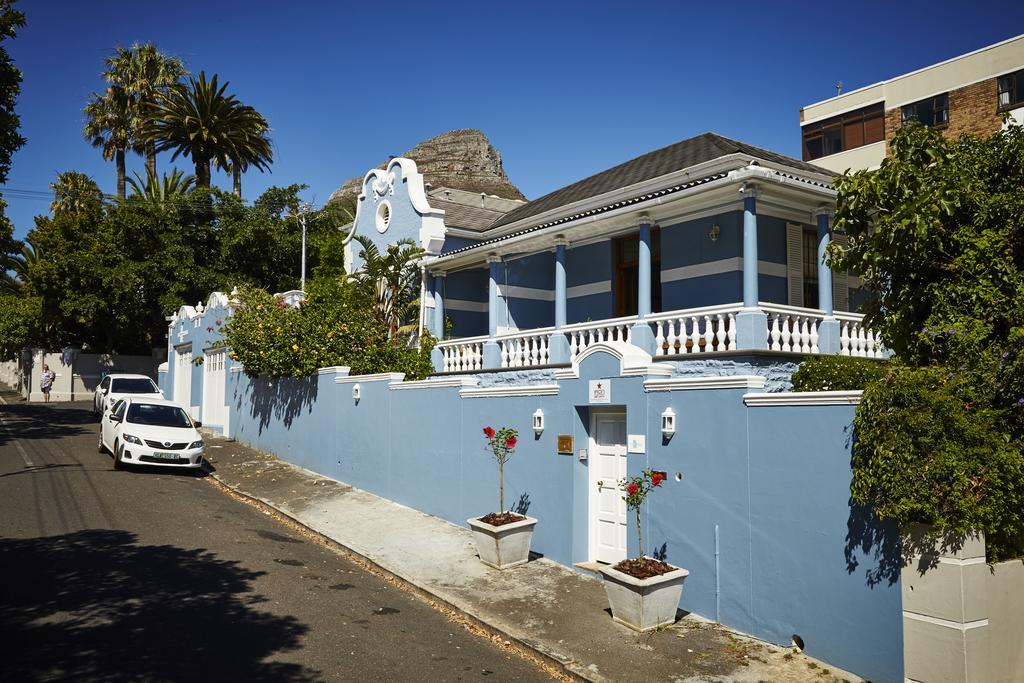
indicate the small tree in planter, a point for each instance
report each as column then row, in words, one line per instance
column 502, row 538
column 643, row 592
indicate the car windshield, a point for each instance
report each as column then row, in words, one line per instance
column 133, row 385
column 158, row 415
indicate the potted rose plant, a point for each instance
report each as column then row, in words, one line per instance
column 502, row 538
column 643, row 592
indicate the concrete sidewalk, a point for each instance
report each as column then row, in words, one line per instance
column 544, row 607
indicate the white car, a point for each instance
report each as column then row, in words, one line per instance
column 121, row 385
column 151, row 431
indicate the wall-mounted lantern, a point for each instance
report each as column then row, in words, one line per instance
column 668, row 422
column 356, row 392
column 538, row 421
column 715, row 232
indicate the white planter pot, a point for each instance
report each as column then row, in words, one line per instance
column 644, row 604
column 503, row 546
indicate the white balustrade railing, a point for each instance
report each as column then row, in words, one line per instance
column 711, row 329
column 792, row 329
column 461, row 355
column 697, row 330
column 857, row 340
column 583, row 335
column 525, row 349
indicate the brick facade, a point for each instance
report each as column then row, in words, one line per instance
column 972, row 109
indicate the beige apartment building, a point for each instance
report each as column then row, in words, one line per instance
column 971, row 93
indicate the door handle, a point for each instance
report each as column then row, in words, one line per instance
column 600, row 483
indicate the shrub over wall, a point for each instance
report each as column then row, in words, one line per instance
column 336, row 325
column 930, row 449
column 836, row 373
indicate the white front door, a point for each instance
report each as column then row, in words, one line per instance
column 183, row 378
column 213, row 387
column 607, row 470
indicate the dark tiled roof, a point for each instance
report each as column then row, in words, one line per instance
column 680, row 155
column 474, row 218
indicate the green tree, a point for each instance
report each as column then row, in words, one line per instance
column 937, row 234
column 18, row 315
column 202, row 122
column 76, row 193
column 109, row 126
column 10, row 87
column 249, row 146
column 143, row 73
column 392, row 282
column 161, row 190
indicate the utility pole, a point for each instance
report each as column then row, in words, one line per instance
column 303, row 211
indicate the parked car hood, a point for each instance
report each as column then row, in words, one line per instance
column 170, row 434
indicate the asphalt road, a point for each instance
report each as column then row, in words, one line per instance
column 153, row 575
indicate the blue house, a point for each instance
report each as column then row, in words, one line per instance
column 708, row 246
column 649, row 316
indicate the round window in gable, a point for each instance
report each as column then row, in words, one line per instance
column 383, row 216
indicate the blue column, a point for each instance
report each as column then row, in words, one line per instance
column 824, row 272
column 828, row 329
column 750, row 249
column 434, row 282
column 492, row 352
column 751, row 322
column 439, row 306
column 641, row 333
column 558, row 345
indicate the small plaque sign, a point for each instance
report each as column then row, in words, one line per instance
column 636, row 443
column 600, row 391
column 565, row 444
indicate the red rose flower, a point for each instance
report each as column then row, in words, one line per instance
column 511, row 443
column 656, row 479
column 632, row 488
column 488, row 432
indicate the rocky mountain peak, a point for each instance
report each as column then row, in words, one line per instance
column 460, row 159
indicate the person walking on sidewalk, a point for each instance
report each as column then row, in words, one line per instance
column 46, row 382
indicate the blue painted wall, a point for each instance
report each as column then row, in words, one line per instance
column 774, row 480
column 591, row 263
column 466, row 285
column 451, row 243
column 405, row 221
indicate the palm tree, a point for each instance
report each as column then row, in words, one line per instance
column 109, row 126
column 201, row 122
column 160, row 190
column 250, row 146
column 143, row 73
column 75, row 192
column 393, row 280
column 21, row 264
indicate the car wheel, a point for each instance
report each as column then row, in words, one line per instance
column 118, row 450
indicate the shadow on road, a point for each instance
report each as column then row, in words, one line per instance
column 47, row 421
column 95, row 605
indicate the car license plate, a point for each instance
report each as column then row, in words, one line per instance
column 166, row 456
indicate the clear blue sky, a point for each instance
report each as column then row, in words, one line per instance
column 563, row 90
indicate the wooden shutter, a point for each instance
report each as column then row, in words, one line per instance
column 840, row 283
column 795, row 263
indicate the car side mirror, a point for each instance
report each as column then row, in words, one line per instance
column 114, row 418
column 197, row 424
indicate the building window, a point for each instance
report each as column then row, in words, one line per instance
column 933, row 111
column 810, row 267
column 626, row 253
column 1011, row 90
column 847, row 131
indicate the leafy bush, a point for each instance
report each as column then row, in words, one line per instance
column 930, row 449
column 836, row 373
column 335, row 326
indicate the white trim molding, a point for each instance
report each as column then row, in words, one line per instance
column 804, row 398
column 342, row 370
column 518, row 292
column 464, row 305
column 690, row 383
column 588, row 289
column 379, row 377
column 946, row 623
column 435, row 383
column 511, row 390
column 633, row 361
column 726, row 265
